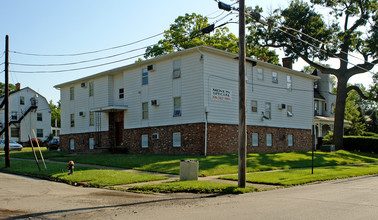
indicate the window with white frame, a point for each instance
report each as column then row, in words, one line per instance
column 268, row 110
column 176, row 69
column 91, row 118
column 255, row 139
column 39, row 133
column 254, row 105
column 72, row 120
column 145, row 110
column 177, row 139
column 260, row 74
column 91, row 88
column 72, row 93
column 22, row 100
column 15, row 132
column 288, row 82
column 39, row 116
column 121, row 93
column 290, row 140
column 145, row 141
column 274, row 77
column 144, row 76
column 91, row 143
column 176, row 106
column 268, row 140
column 72, row 144
column 289, row 111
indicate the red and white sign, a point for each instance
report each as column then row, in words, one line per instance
column 221, row 94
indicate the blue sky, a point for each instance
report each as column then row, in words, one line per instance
column 67, row 27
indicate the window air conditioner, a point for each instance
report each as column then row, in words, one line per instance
column 151, row 68
column 155, row 102
column 83, row 85
column 82, row 114
column 281, row 106
column 155, row 136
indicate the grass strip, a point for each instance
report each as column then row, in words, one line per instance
column 27, row 153
column 192, row 187
column 303, row 176
column 93, row 177
column 225, row 164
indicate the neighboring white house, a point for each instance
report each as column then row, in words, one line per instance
column 27, row 110
column 187, row 103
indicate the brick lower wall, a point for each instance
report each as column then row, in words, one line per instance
column 222, row 139
column 81, row 141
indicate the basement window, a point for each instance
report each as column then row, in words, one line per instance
column 177, row 139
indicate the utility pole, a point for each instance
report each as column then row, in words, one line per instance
column 6, row 101
column 242, row 100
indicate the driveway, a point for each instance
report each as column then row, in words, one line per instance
column 23, row 197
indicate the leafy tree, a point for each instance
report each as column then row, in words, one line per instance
column 292, row 27
column 355, row 114
column 2, row 88
column 185, row 33
column 55, row 113
column 372, row 124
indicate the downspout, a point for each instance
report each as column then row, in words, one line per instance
column 205, row 107
column 206, row 131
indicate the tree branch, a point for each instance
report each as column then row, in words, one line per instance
column 358, row 90
column 362, row 68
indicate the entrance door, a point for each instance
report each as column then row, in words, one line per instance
column 119, row 133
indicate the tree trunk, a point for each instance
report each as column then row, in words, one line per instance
column 340, row 112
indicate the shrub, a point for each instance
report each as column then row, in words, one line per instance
column 361, row 143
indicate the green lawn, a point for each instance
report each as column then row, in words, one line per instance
column 224, row 164
column 93, row 177
column 27, row 153
column 302, row 176
column 192, row 187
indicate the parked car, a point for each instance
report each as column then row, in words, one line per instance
column 53, row 144
column 13, row 145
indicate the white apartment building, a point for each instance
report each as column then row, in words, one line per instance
column 187, row 103
column 28, row 110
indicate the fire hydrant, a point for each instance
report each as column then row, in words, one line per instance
column 70, row 167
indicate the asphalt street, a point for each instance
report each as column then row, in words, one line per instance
column 29, row 198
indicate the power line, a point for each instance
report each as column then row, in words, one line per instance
column 306, row 42
column 81, row 68
column 90, row 52
column 84, row 61
column 290, row 28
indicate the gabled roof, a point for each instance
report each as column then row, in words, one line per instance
column 182, row 52
column 19, row 90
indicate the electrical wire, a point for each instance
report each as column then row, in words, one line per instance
column 89, row 52
column 81, row 68
column 2, row 54
column 306, row 42
column 84, row 61
column 290, row 28
column 217, row 15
